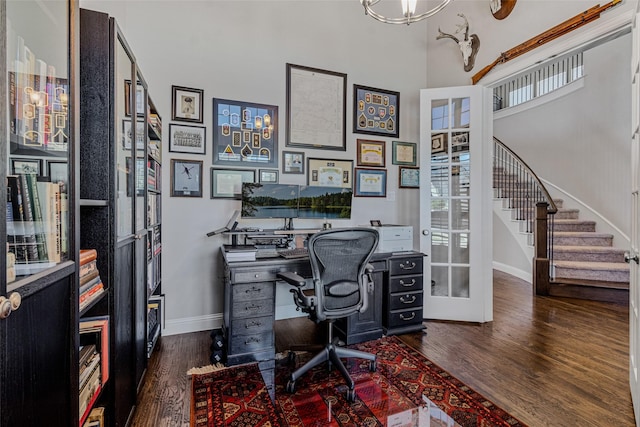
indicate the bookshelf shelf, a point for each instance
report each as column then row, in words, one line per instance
column 93, row 203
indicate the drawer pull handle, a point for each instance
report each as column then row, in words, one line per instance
column 252, row 324
column 413, row 282
column 413, row 315
column 252, row 339
column 253, row 289
column 253, row 307
column 408, row 266
column 413, row 299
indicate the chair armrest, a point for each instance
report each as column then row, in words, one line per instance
column 292, row 278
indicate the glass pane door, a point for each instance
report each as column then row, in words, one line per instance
column 38, row 136
column 454, row 198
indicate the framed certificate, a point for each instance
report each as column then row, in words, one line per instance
column 329, row 173
column 370, row 153
column 370, row 182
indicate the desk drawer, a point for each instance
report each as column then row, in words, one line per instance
column 405, row 300
column 404, row 317
column 253, row 308
column 405, row 283
column 252, row 276
column 252, row 291
column 252, row 325
column 405, row 265
column 251, row 343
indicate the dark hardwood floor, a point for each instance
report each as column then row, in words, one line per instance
column 547, row 361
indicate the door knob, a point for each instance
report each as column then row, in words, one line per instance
column 425, row 232
column 7, row 305
column 628, row 258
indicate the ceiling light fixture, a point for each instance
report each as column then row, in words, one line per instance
column 408, row 11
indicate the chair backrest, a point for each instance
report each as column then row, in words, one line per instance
column 338, row 261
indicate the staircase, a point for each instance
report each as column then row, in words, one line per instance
column 584, row 262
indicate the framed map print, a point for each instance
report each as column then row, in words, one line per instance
column 245, row 134
column 376, row 111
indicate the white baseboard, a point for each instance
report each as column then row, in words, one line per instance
column 520, row 274
column 192, row 324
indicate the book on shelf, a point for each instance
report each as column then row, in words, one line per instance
column 95, row 331
column 92, row 283
column 90, row 295
column 36, row 214
column 95, row 418
column 240, row 252
column 49, row 195
column 87, row 255
column 88, row 271
column 87, row 399
column 86, row 277
column 25, row 242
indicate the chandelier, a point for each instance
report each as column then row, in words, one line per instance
column 408, row 11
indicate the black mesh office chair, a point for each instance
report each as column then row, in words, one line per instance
column 342, row 281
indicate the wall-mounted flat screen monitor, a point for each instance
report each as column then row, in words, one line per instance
column 325, row 202
column 269, row 200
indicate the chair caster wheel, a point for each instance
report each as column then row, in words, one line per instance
column 351, row 396
column 291, row 359
column 372, row 366
column 291, row 386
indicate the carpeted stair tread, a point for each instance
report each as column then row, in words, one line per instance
column 573, row 224
column 588, row 253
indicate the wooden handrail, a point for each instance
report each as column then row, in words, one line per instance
column 551, row 34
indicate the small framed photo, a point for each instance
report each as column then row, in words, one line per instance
column 187, row 139
column 438, row 143
column 127, row 134
column 26, row 166
column 227, row 183
column 186, row 178
column 405, row 153
column 58, row 171
column 375, row 223
column 293, row 162
column 140, row 101
column 268, row 176
column 370, row 153
column 376, row 111
column 409, row 177
column 370, row 182
column 187, row 104
column 329, row 173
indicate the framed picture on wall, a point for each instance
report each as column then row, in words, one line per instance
column 316, row 108
column 26, row 166
column 370, row 182
column 186, row 104
column 293, row 162
column 409, row 177
column 405, row 153
column 187, row 139
column 376, row 111
column 330, row 173
column 370, row 153
column 268, row 176
column 245, row 134
column 186, row 178
column 227, row 183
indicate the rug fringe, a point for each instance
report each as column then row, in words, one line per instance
column 206, row 369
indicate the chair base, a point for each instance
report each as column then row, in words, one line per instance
column 332, row 354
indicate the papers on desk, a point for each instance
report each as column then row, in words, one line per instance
column 240, row 252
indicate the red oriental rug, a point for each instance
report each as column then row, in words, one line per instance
column 391, row 396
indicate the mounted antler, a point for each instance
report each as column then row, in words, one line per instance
column 469, row 45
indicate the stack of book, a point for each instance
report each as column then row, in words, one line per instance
column 240, row 252
column 91, row 286
column 94, row 362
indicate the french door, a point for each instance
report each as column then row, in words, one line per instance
column 634, row 253
column 456, row 203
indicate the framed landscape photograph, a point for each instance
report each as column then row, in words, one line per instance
column 370, row 182
column 245, row 134
column 26, row 166
column 370, row 153
column 293, row 162
column 409, row 177
column 227, row 183
column 376, row 111
column 330, row 173
column 405, row 153
column 186, row 178
column 187, row 139
column 268, row 176
column 316, row 108
column 186, row 104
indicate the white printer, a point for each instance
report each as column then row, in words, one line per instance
column 395, row 238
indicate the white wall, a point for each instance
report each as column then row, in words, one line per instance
column 238, row 50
